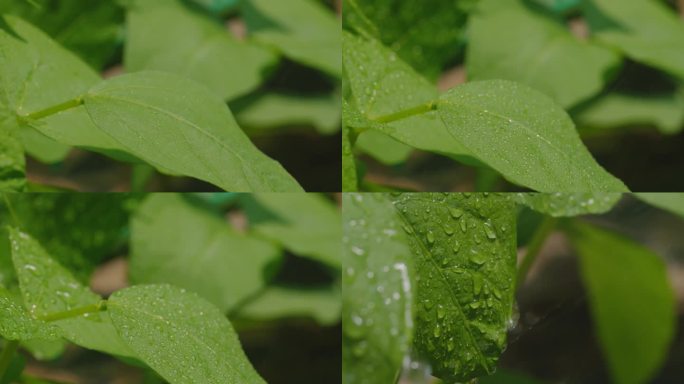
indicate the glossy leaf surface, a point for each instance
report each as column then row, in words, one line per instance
column 569, row 204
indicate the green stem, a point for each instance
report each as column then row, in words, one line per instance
column 93, row 308
column 535, row 245
column 7, row 355
column 417, row 110
column 11, row 210
column 73, row 103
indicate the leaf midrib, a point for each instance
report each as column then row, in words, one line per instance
column 445, row 281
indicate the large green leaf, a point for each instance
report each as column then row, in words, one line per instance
column 515, row 40
column 177, row 242
column 618, row 110
column 303, row 30
column 382, row 147
column 169, row 36
column 569, row 204
column 183, row 337
column 464, row 250
column 190, row 133
column 306, row 224
column 381, row 84
column 646, row 31
column 378, row 290
column 17, row 324
column 629, row 292
column 523, row 135
column 90, row 29
column 278, row 302
column 48, row 288
column 673, row 202
column 12, row 163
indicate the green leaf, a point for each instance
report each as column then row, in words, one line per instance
column 378, row 292
column 16, row 323
column 180, row 335
column 275, row 303
column 37, row 73
column 349, row 177
column 274, row 110
column 48, row 288
column 303, row 30
column 43, row 148
column 175, row 240
column 78, row 231
column 428, row 35
column 90, row 29
column 626, row 300
column 381, row 84
column 306, row 224
column 646, row 31
column 672, row 202
column 190, row 133
column 523, row 135
column 12, row 164
column 617, row 110
column 515, row 40
column 464, row 249
column 568, row 204
column 382, row 147
column 168, row 36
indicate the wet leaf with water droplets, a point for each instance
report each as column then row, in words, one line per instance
column 377, row 290
column 175, row 241
column 49, row 288
column 17, row 324
column 568, row 204
column 631, row 300
column 191, row 133
column 183, row 337
column 524, row 135
column 465, row 280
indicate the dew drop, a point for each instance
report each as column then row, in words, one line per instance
column 430, row 237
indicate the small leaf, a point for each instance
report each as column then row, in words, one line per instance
column 464, row 249
column 17, row 324
column 523, row 135
column 568, row 204
column 629, row 292
column 168, row 36
column 306, row 224
column 175, row 241
column 303, row 30
column 646, row 31
column 515, row 40
column 190, row 133
column 278, row 302
column 48, row 288
column 378, row 290
column 673, row 202
column 180, row 335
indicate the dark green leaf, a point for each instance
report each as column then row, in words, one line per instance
column 184, row 338
column 673, row 202
column 629, row 292
column 12, row 163
column 322, row 305
column 190, row 133
column 515, row 40
column 175, row 241
column 349, row 177
column 378, row 290
column 465, row 253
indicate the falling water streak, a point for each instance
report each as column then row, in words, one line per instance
column 406, row 287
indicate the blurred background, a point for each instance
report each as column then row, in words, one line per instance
column 272, row 267
column 283, row 79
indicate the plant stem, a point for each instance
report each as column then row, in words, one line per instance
column 417, row 110
column 540, row 235
column 93, row 308
column 73, row 103
column 15, row 220
column 7, row 355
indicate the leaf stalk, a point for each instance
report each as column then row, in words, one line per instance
column 538, row 240
column 417, row 110
column 73, row 103
column 75, row 312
